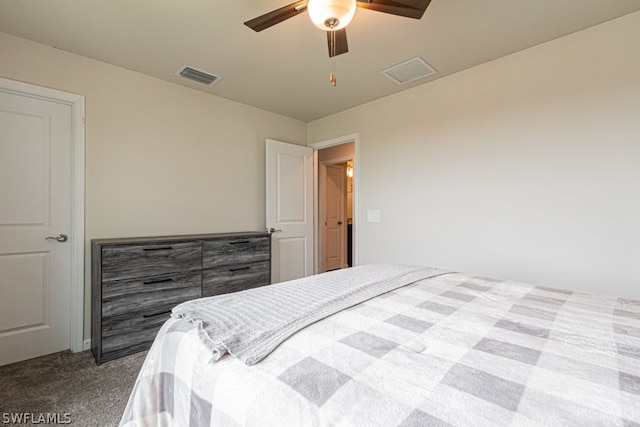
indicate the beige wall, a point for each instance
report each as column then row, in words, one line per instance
column 342, row 151
column 525, row 168
column 160, row 158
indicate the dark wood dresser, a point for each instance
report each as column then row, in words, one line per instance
column 137, row 281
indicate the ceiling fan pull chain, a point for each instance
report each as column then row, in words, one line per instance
column 332, row 75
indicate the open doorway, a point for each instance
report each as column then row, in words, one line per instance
column 335, row 207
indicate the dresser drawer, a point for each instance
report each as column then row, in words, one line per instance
column 129, row 261
column 140, row 295
column 235, row 250
column 131, row 332
column 234, row 278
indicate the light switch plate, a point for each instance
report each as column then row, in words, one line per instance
column 373, row 215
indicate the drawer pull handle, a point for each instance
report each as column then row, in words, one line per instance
column 240, row 269
column 146, row 316
column 239, row 242
column 162, row 248
column 148, row 282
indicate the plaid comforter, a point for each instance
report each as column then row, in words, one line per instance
column 448, row 350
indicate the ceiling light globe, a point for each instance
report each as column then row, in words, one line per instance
column 323, row 12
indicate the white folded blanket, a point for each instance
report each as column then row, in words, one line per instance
column 249, row 325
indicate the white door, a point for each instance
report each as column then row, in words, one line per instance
column 334, row 225
column 35, row 203
column 289, row 210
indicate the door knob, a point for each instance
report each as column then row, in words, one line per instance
column 273, row 230
column 60, row 238
column 339, row 222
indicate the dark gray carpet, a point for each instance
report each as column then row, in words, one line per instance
column 70, row 383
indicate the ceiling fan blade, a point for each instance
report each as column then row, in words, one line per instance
column 340, row 41
column 276, row 16
column 408, row 8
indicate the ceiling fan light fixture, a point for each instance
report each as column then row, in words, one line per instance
column 330, row 15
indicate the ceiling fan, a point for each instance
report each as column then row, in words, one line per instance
column 333, row 16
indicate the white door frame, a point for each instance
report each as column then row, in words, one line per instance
column 77, row 196
column 355, row 138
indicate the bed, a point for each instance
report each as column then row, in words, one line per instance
column 430, row 348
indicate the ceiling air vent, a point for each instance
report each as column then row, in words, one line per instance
column 408, row 71
column 199, row 76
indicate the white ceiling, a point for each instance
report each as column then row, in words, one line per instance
column 285, row 68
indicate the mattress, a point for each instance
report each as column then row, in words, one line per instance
column 450, row 349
